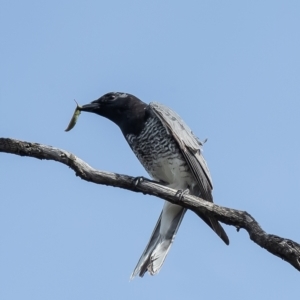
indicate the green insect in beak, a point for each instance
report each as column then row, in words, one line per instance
column 74, row 117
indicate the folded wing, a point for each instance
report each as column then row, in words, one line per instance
column 190, row 147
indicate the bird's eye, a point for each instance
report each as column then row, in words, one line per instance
column 111, row 97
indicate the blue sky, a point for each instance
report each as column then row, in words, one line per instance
column 229, row 68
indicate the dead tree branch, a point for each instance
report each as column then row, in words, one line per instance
column 284, row 248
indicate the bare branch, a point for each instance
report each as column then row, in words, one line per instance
column 284, row 248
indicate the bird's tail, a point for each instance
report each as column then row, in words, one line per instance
column 160, row 243
column 215, row 226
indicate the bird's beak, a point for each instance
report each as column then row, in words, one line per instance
column 91, row 107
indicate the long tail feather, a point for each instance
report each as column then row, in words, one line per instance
column 160, row 242
column 215, row 226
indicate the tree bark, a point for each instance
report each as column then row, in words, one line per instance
column 284, row 248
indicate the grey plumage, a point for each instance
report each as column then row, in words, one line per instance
column 171, row 154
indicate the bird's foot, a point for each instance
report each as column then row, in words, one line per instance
column 181, row 193
column 137, row 180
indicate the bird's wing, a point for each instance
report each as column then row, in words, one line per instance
column 189, row 144
column 190, row 147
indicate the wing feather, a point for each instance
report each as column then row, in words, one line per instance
column 190, row 146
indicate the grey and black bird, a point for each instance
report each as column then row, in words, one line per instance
column 171, row 154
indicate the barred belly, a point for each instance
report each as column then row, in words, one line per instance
column 160, row 155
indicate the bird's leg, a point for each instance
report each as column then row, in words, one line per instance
column 181, row 193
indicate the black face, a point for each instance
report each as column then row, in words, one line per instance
column 108, row 100
column 121, row 108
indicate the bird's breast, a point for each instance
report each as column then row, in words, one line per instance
column 160, row 155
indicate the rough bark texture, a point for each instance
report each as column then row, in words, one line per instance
column 284, row 248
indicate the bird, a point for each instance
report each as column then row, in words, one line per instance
column 172, row 156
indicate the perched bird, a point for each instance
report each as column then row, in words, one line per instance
column 171, row 154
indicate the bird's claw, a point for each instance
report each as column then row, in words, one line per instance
column 137, row 180
column 181, row 193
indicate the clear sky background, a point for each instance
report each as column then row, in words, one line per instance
column 231, row 69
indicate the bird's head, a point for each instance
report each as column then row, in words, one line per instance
column 121, row 108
